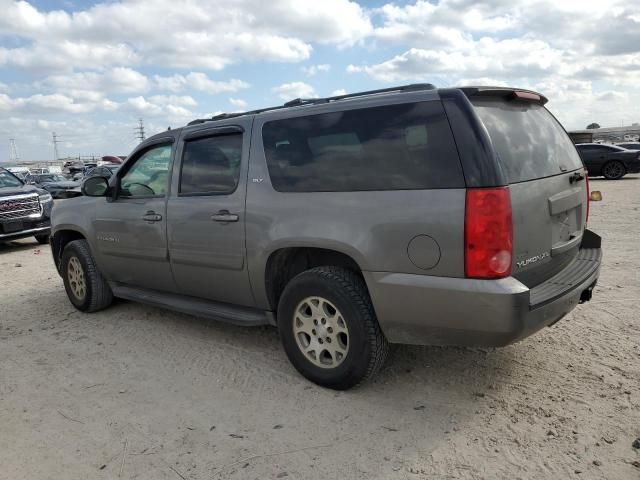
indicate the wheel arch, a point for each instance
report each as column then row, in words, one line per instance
column 60, row 239
column 285, row 263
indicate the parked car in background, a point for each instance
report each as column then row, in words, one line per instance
column 103, row 171
column 404, row 215
column 610, row 161
column 25, row 210
column 630, row 145
column 56, row 184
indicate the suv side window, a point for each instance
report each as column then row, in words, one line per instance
column 211, row 165
column 406, row 146
column 149, row 175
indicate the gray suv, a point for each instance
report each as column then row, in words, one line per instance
column 405, row 215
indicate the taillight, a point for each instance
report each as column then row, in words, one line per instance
column 586, row 179
column 488, row 233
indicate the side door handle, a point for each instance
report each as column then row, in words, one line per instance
column 151, row 216
column 224, row 216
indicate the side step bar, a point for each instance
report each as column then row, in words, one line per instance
column 237, row 315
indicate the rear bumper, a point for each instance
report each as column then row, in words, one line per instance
column 419, row 309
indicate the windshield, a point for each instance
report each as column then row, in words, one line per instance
column 530, row 143
column 7, row 179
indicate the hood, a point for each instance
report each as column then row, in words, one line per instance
column 8, row 191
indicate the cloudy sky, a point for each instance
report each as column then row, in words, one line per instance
column 89, row 69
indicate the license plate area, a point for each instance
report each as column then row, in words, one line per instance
column 11, row 227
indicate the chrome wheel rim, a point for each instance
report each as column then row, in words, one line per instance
column 321, row 332
column 75, row 275
column 614, row 170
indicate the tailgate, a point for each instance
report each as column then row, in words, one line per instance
column 547, row 182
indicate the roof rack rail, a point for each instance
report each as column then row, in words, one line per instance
column 316, row 101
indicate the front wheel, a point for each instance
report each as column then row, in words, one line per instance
column 329, row 329
column 86, row 288
column 613, row 170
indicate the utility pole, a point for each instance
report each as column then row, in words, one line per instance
column 139, row 130
column 13, row 152
column 55, row 146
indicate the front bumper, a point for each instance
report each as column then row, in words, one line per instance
column 425, row 310
column 28, row 232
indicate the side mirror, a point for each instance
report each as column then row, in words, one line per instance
column 95, row 187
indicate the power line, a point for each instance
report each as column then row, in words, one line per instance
column 55, row 146
column 13, row 151
column 139, row 130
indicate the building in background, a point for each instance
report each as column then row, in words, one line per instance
column 607, row 135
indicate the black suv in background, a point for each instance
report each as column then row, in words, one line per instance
column 610, row 161
column 25, row 210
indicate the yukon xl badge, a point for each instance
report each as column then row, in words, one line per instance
column 534, row 259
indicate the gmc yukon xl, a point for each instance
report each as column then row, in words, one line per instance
column 405, row 215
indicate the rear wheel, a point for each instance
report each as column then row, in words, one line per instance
column 86, row 288
column 613, row 170
column 329, row 329
column 42, row 239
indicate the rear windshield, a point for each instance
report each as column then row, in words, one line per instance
column 394, row 147
column 530, row 143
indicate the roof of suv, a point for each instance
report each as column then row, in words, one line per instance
column 476, row 91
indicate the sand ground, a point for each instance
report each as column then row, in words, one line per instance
column 137, row 392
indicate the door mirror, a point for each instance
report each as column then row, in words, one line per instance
column 95, row 187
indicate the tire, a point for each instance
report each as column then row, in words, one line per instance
column 613, row 170
column 86, row 288
column 351, row 327
column 42, row 239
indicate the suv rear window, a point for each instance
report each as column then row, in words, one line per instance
column 395, row 147
column 530, row 143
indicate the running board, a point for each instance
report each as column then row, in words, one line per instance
column 237, row 315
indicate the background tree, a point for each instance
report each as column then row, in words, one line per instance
column 591, row 126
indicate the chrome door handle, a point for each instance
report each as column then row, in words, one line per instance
column 224, row 216
column 151, row 216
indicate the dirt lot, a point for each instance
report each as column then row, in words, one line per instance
column 137, row 392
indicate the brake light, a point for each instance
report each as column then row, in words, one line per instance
column 527, row 96
column 488, row 233
column 586, row 179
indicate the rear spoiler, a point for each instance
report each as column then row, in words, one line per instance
column 515, row 94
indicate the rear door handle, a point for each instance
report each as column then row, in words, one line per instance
column 224, row 216
column 151, row 216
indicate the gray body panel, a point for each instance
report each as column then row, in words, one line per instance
column 409, row 244
column 208, row 256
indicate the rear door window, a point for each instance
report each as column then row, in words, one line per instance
column 395, row 147
column 530, row 143
column 211, row 165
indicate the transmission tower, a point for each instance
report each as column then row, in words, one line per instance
column 55, row 146
column 13, row 151
column 139, row 130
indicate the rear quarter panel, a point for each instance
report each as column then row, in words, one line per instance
column 372, row 227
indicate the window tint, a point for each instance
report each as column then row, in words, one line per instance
column 530, row 143
column 149, row 175
column 395, row 147
column 211, row 165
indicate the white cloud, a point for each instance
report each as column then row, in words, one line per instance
column 238, row 102
column 197, row 81
column 53, row 104
column 208, row 34
column 312, row 70
column 290, row 91
column 338, row 92
column 119, row 79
